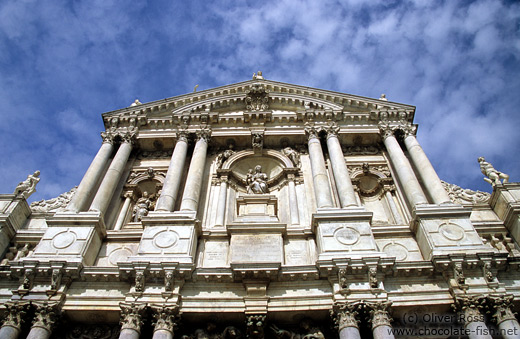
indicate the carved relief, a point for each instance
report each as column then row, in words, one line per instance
column 257, row 98
column 361, row 150
column 257, row 140
column 83, row 331
column 57, row 204
column 255, row 326
column 308, row 330
column 460, row 195
column 223, row 156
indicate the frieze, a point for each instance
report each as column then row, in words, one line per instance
column 361, row 150
column 154, row 154
column 463, row 196
column 57, row 204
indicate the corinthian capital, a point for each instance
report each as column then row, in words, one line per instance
column 128, row 137
column 311, row 131
column 502, row 308
column 131, row 316
column 408, row 129
column 166, row 317
column 386, row 130
column 204, row 133
column 108, row 137
column 344, row 315
column 379, row 314
column 332, row 129
column 15, row 313
column 46, row 315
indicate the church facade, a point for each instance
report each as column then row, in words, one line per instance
column 261, row 209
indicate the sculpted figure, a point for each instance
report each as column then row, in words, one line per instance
column 293, row 155
column 222, row 157
column 493, row 176
column 257, row 181
column 28, row 186
column 141, row 208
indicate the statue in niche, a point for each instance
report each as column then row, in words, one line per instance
column 493, row 176
column 28, row 186
column 142, row 206
column 310, row 332
column 256, row 181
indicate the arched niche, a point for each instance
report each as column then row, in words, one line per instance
column 275, row 164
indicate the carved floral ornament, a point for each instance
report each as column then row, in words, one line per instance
column 257, row 98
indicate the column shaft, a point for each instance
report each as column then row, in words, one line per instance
column 172, row 182
column 9, row 332
column 190, row 198
column 162, row 334
column 393, row 208
column 122, row 214
column 477, row 330
column 39, row 333
column 293, row 203
column 128, row 333
column 221, row 205
column 346, row 192
column 349, row 333
column 405, row 174
column 111, row 179
column 383, row 332
column 426, row 171
column 319, row 175
column 91, row 178
column 510, row 329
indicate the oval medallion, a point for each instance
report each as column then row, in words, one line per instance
column 165, row 239
column 63, row 239
column 452, row 231
column 347, row 235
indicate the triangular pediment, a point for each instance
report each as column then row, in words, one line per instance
column 229, row 102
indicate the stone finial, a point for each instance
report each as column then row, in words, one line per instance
column 27, row 187
column 493, row 176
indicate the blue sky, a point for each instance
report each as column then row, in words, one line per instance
column 63, row 63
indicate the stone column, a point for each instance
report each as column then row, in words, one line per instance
column 44, row 321
column 346, row 193
column 124, row 211
column 190, row 198
column 344, row 316
column 405, row 174
column 93, row 174
column 172, row 182
column 113, row 175
column 222, row 197
column 15, row 317
column 166, row 319
column 320, row 179
column 425, row 169
column 504, row 317
column 131, row 320
column 293, row 200
column 393, row 207
column 380, row 319
column 473, row 320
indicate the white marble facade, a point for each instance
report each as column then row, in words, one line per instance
column 247, row 209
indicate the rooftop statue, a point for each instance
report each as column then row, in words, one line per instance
column 256, row 181
column 28, row 186
column 493, row 176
